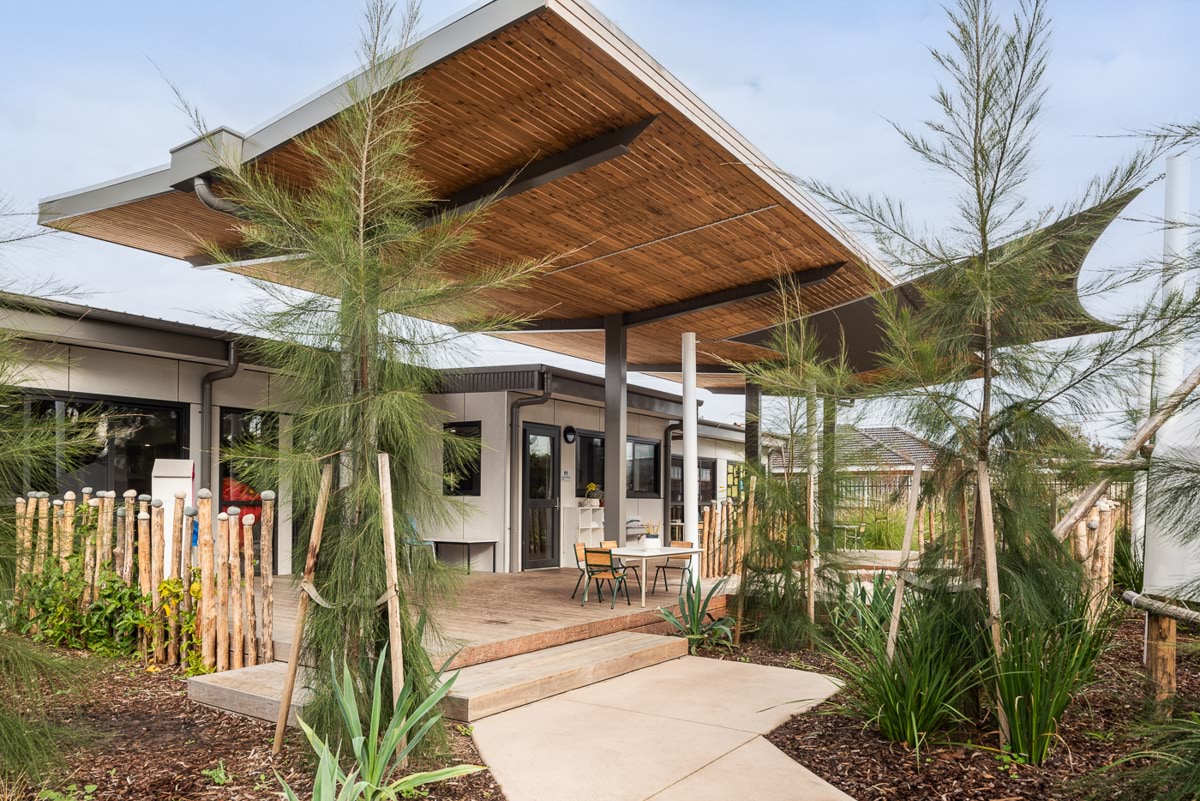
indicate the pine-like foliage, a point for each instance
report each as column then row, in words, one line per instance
column 983, row 354
column 363, row 235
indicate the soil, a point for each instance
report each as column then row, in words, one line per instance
column 136, row 735
column 1096, row 730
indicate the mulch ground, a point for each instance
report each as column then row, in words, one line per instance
column 1097, row 729
column 135, row 735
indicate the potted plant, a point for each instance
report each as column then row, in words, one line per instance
column 592, row 495
column 652, row 540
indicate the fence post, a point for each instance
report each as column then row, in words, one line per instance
column 68, row 549
column 236, row 643
column 267, row 570
column 251, row 639
column 208, row 594
column 187, row 643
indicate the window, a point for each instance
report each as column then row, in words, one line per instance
column 642, row 468
column 589, row 461
column 129, row 436
column 643, row 465
column 735, row 479
column 246, row 430
column 461, row 459
column 707, row 472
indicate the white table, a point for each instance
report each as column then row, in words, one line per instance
column 646, row 554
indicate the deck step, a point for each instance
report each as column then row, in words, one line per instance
column 479, row 690
column 492, row 687
column 252, row 691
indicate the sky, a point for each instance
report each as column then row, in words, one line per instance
column 85, row 96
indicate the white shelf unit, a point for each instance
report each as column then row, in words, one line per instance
column 591, row 526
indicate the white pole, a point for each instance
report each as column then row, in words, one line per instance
column 1169, row 562
column 691, row 467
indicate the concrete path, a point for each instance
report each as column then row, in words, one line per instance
column 685, row 730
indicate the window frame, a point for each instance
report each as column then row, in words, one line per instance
column 582, row 480
column 657, row 472
column 459, row 490
column 93, row 399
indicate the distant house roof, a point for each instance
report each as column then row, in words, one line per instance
column 884, row 449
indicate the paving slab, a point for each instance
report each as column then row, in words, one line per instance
column 756, row 770
column 556, row 749
column 684, row 730
column 730, row 694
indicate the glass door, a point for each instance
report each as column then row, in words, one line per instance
column 539, row 497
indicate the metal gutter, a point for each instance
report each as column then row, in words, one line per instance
column 233, row 362
column 515, row 519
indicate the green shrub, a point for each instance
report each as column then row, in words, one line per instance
column 1127, row 563
column 923, row 689
column 377, row 754
column 694, row 622
column 108, row 625
column 1043, row 668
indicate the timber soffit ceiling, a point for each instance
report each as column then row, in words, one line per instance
column 670, row 218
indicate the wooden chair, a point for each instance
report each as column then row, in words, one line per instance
column 600, row 568
column 582, row 565
column 610, row 544
column 681, row 563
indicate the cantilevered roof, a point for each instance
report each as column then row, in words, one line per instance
column 670, row 217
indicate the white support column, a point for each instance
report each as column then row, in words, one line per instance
column 691, row 443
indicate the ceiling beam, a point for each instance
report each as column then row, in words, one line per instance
column 676, row 367
column 699, row 303
column 541, row 172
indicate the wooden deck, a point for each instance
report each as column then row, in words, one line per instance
column 499, row 615
column 519, row 636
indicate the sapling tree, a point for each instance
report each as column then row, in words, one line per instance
column 988, row 352
column 364, row 238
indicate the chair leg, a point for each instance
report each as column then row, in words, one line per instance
column 637, row 576
column 625, row 584
column 575, row 591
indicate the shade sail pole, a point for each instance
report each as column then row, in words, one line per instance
column 691, row 440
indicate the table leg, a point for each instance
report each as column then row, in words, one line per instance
column 643, row 583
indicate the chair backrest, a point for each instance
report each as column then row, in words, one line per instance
column 599, row 558
column 579, row 549
column 608, row 544
column 682, row 544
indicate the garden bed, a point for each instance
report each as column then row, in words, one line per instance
column 138, row 736
column 1096, row 730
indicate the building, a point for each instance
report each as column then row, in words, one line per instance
column 541, row 432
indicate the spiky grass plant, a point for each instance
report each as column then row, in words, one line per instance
column 921, row 692
column 1165, row 768
column 364, row 237
column 28, row 742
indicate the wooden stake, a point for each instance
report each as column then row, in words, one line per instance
column 68, row 529
column 157, row 563
column 185, row 571
column 89, row 509
column 23, row 560
column 992, row 572
column 143, row 579
column 126, row 536
column 104, row 529
column 395, row 641
column 705, row 539
column 1161, row 641
column 747, row 533
column 310, row 568
column 171, row 568
column 43, row 533
column 267, row 570
column 250, row 638
column 207, row 623
column 910, row 520
column 56, row 534
column 90, row 544
column 223, row 616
